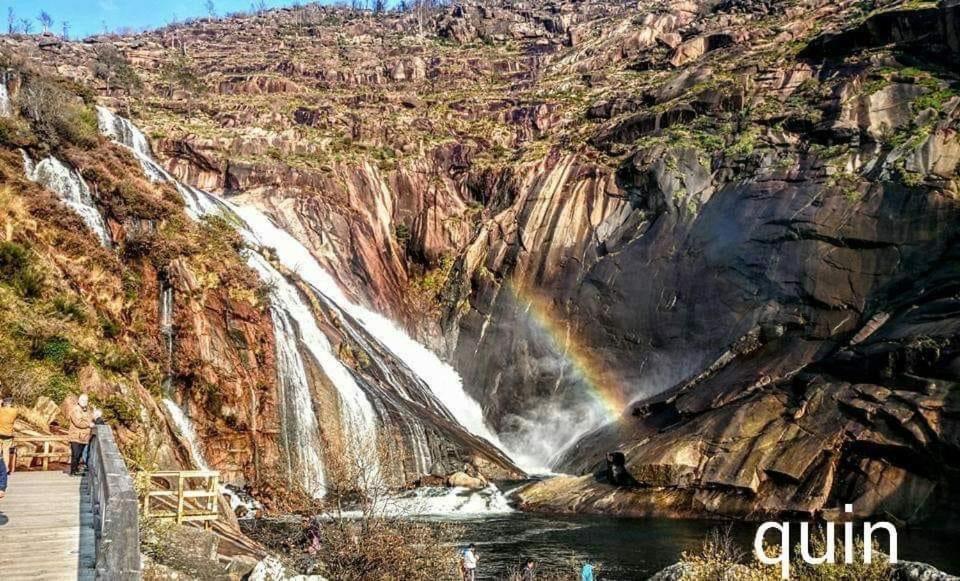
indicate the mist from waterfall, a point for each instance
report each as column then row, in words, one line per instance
column 72, row 190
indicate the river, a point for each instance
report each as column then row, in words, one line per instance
column 631, row 549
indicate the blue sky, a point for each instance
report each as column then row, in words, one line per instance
column 87, row 17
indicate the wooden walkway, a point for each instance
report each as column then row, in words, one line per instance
column 46, row 528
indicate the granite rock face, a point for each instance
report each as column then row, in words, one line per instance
column 715, row 236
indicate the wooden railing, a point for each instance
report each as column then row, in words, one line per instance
column 31, row 447
column 183, row 496
column 115, row 505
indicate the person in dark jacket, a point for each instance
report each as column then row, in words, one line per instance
column 3, row 478
column 529, row 571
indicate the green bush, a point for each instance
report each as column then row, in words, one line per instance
column 117, row 408
column 109, row 328
column 29, row 283
column 58, row 388
column 16, row 133
column 54, row 349
column 14, row 258
column 56, row 114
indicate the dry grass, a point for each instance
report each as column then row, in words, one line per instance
column 720, row 558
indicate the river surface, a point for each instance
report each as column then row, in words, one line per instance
column 632, row 549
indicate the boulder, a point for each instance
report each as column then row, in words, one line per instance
column 463, row 480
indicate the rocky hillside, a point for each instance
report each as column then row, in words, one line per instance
column 737, row 215
column 115, row 282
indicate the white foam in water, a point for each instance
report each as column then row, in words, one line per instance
column 441, row 501
column 72, row 190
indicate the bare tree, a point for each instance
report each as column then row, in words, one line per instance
column 65, row 28
column 26, row 25
column 11, row 21
column 112, row 67
column 379, row 6
column 421, row 10
column 258, row 6
column 211, row 9
column 46, row 21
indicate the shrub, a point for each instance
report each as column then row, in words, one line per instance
column 112, row 67
column 117, row 408
column 119, row 359
column 58, row 388
column 56, row 114
column 29, row 283
column 14, row 258
column 721, row 558
column 54, row 349
column 70, row 309
column 109, row 328
column 17, row 270
column 16, row 133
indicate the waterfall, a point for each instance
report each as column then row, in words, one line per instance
column 298, row 335
column 6, row 109
column 72, row 190
column 300, row 429
column 180, row 419
column 293, row 325
column 166, row 324
column 185, row 428
column 443, row 380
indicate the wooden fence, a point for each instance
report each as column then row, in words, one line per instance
column 183, row 496
column 31, row 447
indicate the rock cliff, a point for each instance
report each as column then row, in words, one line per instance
column 716, row 236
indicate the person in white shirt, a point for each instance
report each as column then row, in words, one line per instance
column 470, row 563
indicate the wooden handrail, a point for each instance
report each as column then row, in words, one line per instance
column 43, row 448
column 186, row 502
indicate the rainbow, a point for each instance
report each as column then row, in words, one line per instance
column 601, row 383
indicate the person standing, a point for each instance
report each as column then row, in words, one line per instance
column 529, row 571
column 3, row 478
column 81, row 420
column 470, row 563
column 8, row 417
column 586, row 574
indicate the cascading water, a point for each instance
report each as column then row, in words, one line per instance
column 300, row 431
column 6, row 109
column 443, row 380
column 179, row 418
column 185, row 428
column 297, row 332
column 181, row 421
column 358, row 414
column 70, row 188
